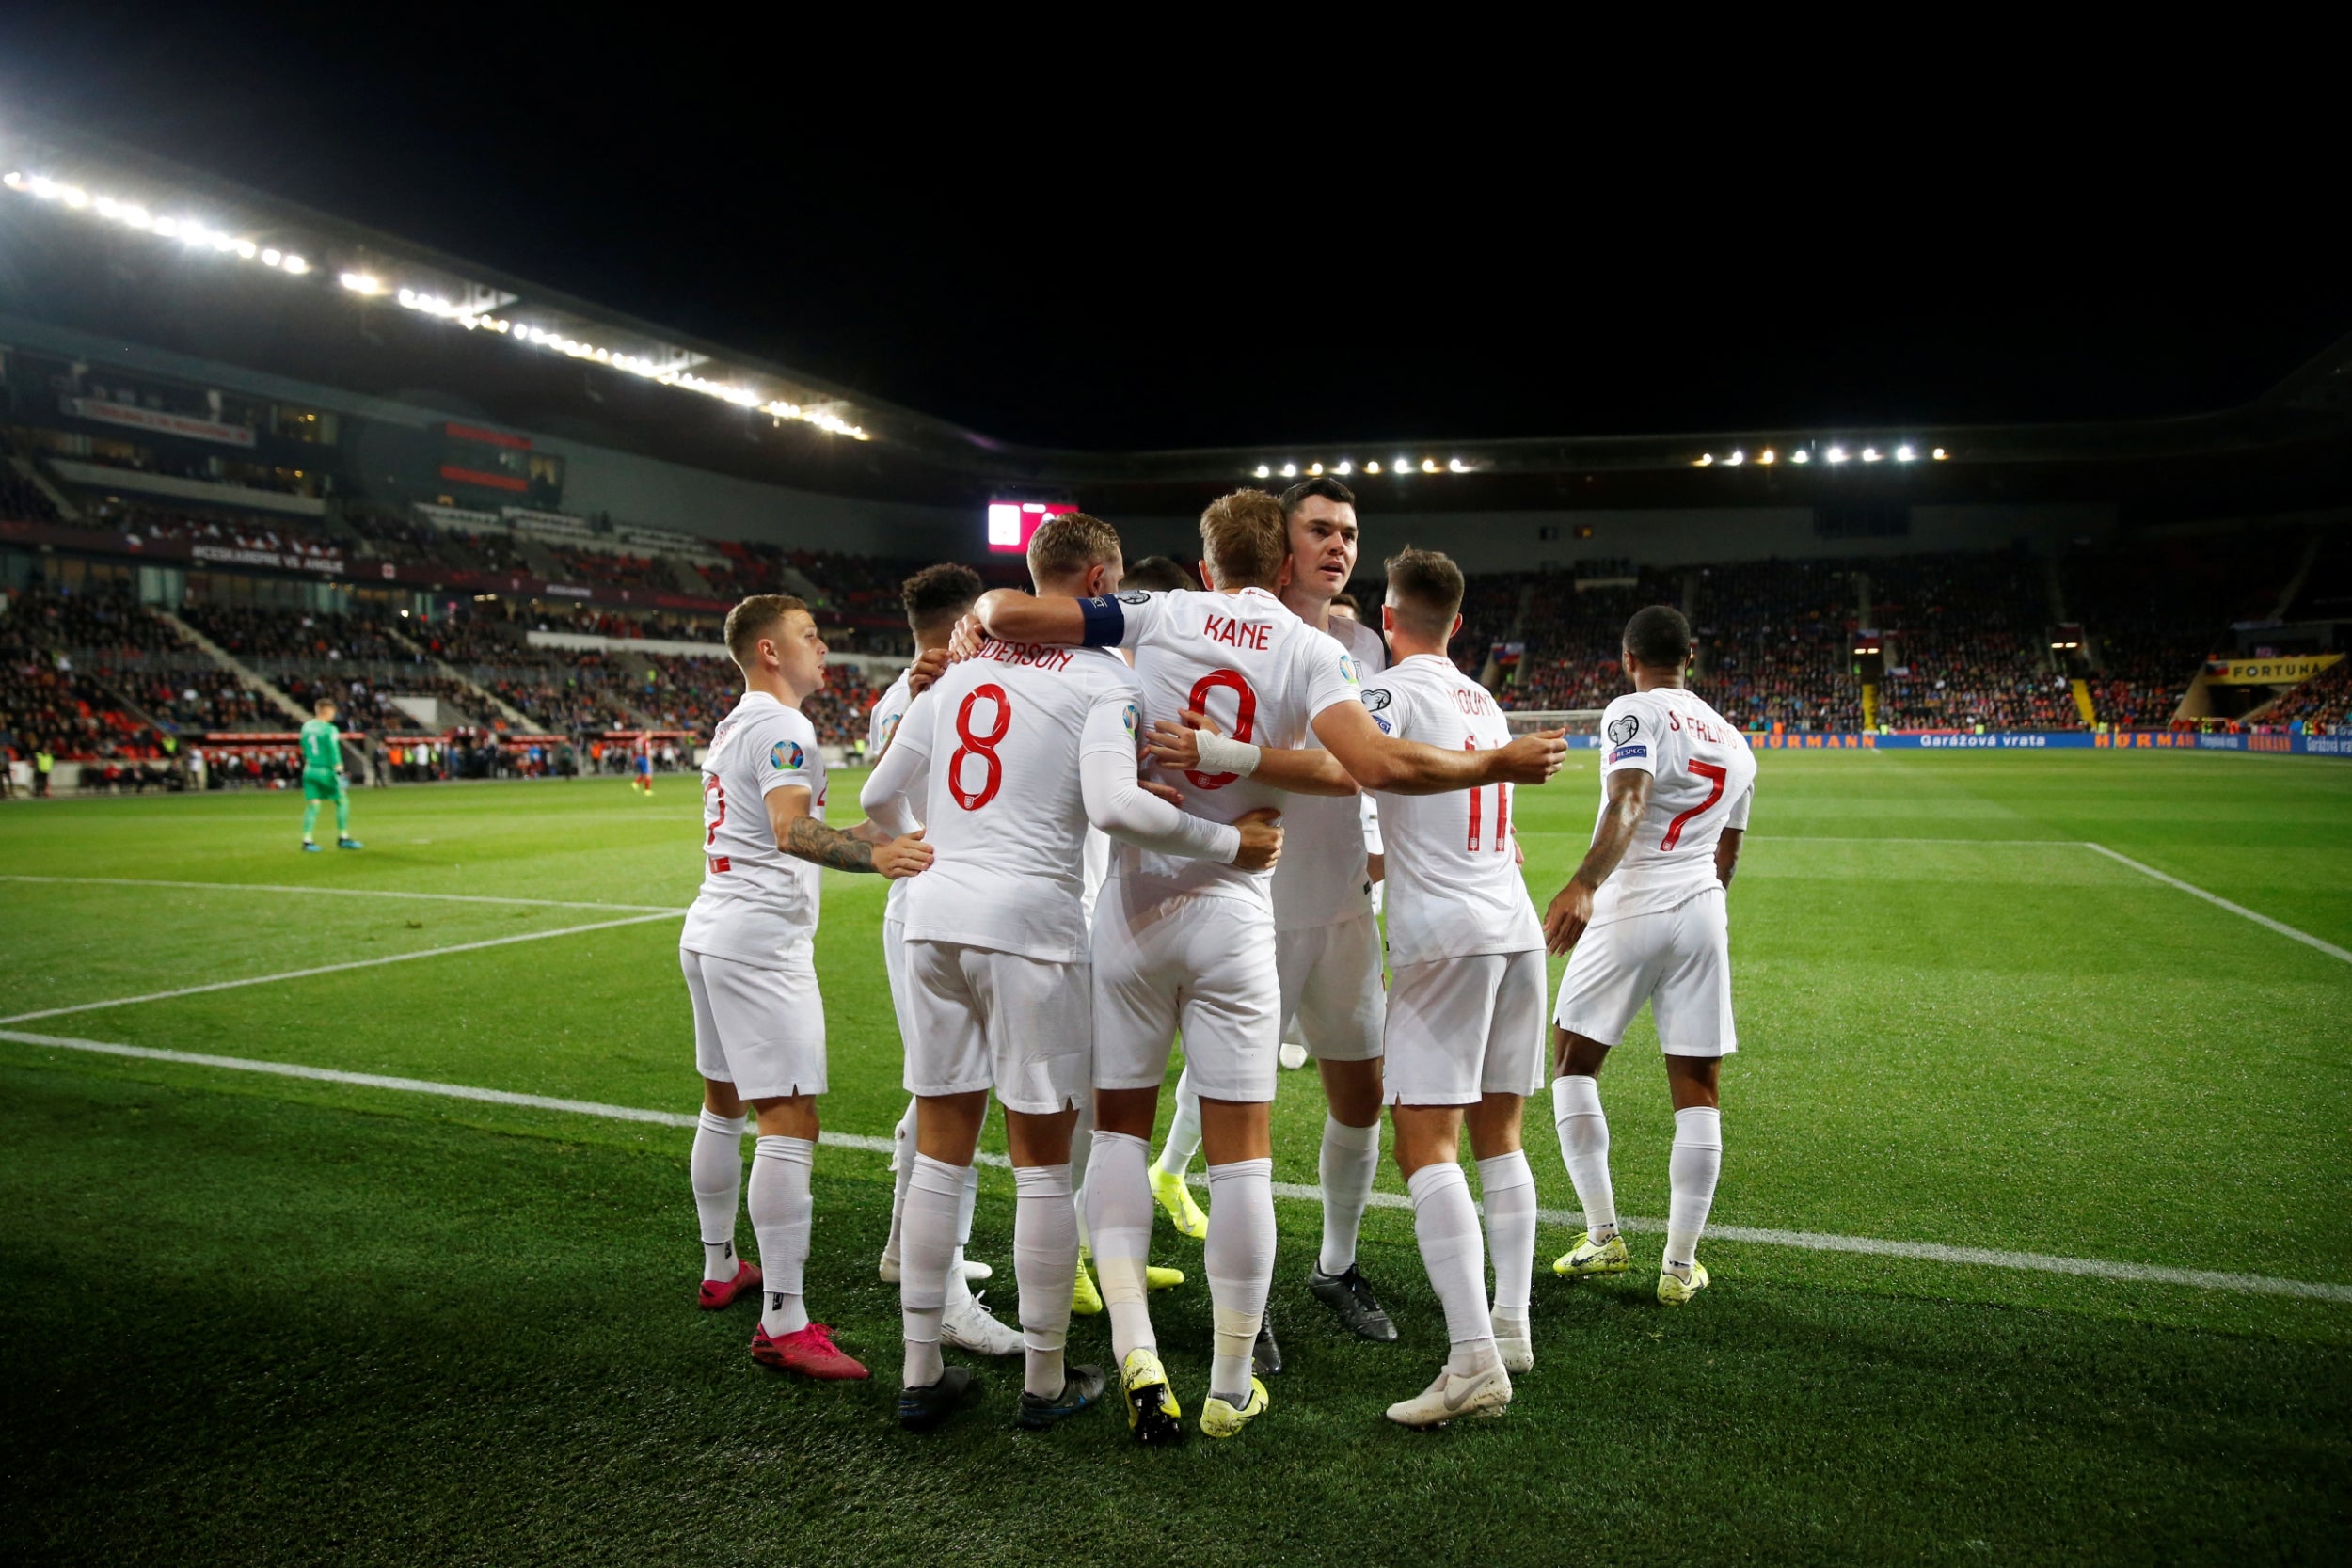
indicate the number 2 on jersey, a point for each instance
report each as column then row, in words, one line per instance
column 1715, row 792
column 981, row 746
column 1245, row 718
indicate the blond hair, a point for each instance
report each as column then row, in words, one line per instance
column 1071, row 542
column 1245, row 539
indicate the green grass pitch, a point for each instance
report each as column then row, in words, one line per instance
column 264, row 1318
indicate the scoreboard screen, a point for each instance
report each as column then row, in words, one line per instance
column 1011, row 523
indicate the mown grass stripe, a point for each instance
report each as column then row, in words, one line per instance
column 1934, row 1251
column 340, row 892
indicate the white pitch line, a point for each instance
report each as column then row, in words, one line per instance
column 1934, row 1251
column 343, row 893
column 336, row 968
column 2280, row 926
column 1831, row 838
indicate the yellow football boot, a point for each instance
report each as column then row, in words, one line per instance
column 1176, row 1198
column 1590, row 1257
column 1157, row 1278
column 1153, row 1416
column 1085, row 1300
column 1220, row 1420
column 1672, row 1292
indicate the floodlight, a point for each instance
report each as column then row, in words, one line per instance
column 362, row 284
column 1457, row 465
column 1904, row 454
column 1344, row 468
column 1314, row 467
column 1290, row 470
column 1263, row 472
column 1869, row 454
column 1402, row 465
column 1940, row 455
column 1372, row 467
column 1706, row 460
column 1838, row 454
column 1799, row 455
column 1736, row 459
column 1765, row 456
column 1429, row 464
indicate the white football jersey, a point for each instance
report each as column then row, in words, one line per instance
column 757, row 904
column 1262, row 675
column 1004, row 731
column 1322, row 878
column 1705, row 782
column 881, row 727
column 1453, row 880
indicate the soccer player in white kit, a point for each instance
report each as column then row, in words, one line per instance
column 759, row 1023
column 935, row 599
column 1183, row 945
column 1465, row 1008
column 1644, row 920
column 1025, row 745
column 1327, row 951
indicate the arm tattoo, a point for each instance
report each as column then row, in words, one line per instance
column 813, row 841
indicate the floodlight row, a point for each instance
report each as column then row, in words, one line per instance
column 1903, row 452
column 131, row 214
column 197, row 234
column 1345, row 466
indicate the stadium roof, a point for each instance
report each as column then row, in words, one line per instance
column 108, row 239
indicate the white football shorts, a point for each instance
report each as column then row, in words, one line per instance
column 985, row 1020
column 1330, row 977
column 1680, row 958
column 894, row 970
column 762, row 1030
column 1460, row 1028
column 1201, row 966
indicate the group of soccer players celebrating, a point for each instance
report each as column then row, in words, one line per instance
column 1123, row 812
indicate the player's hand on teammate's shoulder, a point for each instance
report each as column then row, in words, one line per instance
column 1531, row 759
column 966, row 639
column 1261, row 839
column 1571, row 911
column 926, row 670
column 903, row 857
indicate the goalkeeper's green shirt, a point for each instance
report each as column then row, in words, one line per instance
column 322, row 747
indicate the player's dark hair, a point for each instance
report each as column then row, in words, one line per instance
column 1245, row 540
column 1322, row 484
column 1425, row 588
column 755, row 618
column 1658, row 638
column 938, row 595
column 1157, row 573
column 1346, row 601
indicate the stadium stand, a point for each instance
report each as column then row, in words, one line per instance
column 2321, row 705
column 1968, row 645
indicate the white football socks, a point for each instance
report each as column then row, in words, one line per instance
column 1350, row 1160
column 1183, row 1129
column 780, row 1220
column 715, row 1170
column 901, row 1171
column 1584, row 1150
column 1693, row 1168
column 927, row 1248
column 1119, row 1219
column 1045, row 1264
column 1239, row 1257
column 1508, row 1188
column 1445, row 1221
column 958, row 1288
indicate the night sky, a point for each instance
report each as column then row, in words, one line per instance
column 1250, row 257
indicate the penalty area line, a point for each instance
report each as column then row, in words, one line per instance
column 336, row 969
column 339, row 892
column 2032, row 1263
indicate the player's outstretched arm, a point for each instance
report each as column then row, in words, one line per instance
column 1572, row 906
column 1198, row 746
column 1728, row 854
column 798, row 833
column 1381, row 762
column 1009, row 615
column 1119, row 805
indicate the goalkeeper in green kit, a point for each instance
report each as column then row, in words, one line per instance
column 323, row 777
